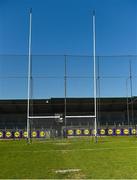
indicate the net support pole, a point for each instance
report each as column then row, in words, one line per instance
column 94, row 61
column 98, row 91
column 29, row 76
column 131, row 91
column 65, row 93
column 127, row 101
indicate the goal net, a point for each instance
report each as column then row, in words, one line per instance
column 62, row 98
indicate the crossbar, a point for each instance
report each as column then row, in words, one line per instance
column 54, row 117
column 43, row 117
column 87, row 116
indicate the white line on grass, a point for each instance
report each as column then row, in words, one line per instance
column 66, row 170
column 68, row 150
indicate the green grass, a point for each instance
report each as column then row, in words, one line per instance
column 111, row 157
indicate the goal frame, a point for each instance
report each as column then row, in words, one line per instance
column 29, row 84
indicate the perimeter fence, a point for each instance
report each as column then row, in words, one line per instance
column 69, row 76
column 116, row 76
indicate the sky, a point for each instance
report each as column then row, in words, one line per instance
column 64, row 27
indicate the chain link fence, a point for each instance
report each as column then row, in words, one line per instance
column 68, row 76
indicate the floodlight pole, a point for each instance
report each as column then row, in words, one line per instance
column 29, row 76
column 94, row 60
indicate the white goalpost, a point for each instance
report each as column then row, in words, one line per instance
column 29, row 117
column 29, row 84
column 29, row 76
column 95, row 94
column 94, row 59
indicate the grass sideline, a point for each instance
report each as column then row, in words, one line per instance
column 110, row 158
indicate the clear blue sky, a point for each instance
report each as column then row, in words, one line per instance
column 64, row 27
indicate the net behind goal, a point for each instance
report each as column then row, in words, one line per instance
column 59, row 127
column 44, row 127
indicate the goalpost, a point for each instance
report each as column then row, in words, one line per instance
column 95, row 94
column 29, row 117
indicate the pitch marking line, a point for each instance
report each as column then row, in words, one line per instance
column 68, row 150
column 67, row 170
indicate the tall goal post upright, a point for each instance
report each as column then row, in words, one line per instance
column 95, row 94
column 29, row 76
column 94, row 62
column 29, row 88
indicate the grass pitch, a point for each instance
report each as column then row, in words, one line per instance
column 111, row 157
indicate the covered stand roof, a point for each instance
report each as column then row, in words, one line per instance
column 74, row 105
